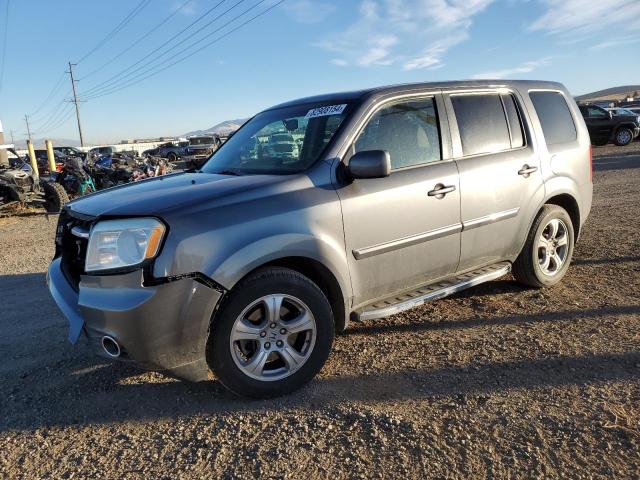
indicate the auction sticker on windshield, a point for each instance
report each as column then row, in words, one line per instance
column 324, row 111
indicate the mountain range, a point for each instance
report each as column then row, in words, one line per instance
column 615, row 93
column 222, row 128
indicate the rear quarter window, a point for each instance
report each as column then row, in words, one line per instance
column 555, row 117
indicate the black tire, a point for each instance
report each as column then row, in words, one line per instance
column 55, row 197
column 267, row 281
column 172, row 157
column 624, row 136
column 526, row 268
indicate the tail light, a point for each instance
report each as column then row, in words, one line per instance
column 590, row 163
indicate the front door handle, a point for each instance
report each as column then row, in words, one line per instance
column 440, row 190
column 526, row 170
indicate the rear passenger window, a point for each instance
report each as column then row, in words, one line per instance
column 482, row 123
column 555, row 117
column 408, row 131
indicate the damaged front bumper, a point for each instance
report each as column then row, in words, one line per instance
column 161, row 326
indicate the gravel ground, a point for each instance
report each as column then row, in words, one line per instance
column 499, row 381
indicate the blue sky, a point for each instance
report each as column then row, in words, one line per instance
column 301, row 47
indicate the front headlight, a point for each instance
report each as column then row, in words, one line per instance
column 123, row 243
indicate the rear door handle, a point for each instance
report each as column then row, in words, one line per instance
column 440, row 190
column 526, row 170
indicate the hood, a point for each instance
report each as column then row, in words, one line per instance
column 164, row 194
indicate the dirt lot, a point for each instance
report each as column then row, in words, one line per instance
column 499, row 381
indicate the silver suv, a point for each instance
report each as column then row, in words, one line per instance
column 397, row 196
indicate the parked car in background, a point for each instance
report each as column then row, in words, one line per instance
column 99, row 151
column 200, row 149
column 172, row 151
column 281, row 145
column 71, row 152
column 399, row 195
column 42, row 160
column 605, row 127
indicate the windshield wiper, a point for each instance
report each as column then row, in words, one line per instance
column 235, row 173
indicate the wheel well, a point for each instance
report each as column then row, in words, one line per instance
column 321, row 276
column 569, row 203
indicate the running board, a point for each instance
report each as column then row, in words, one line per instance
column 414, row 298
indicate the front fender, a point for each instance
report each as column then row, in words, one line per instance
column 265, row 250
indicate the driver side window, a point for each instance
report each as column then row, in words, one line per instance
column 408, row 131
column 596, row 112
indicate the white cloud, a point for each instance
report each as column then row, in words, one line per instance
column 615, row 42
column 579, row 19
column 415, row 34
column 308, row 11
column 526, row 67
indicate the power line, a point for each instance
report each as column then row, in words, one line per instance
column 137, row 78
column 122, row 78
column 4, row 43
column 65, row 105
column 58, row 124
column 137, row 42
column 50, row 96
column 130, row 16
column 117, row 75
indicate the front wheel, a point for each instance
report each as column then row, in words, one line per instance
column 547, row 252
column 272, row 335
column 55, row 197
column 623, row 137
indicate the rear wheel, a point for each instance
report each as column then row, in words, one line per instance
column 172, row 157
column 272, row 335
column 55, row 197
column 546, row 254
column 624, row 136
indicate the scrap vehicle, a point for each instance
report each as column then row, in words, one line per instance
column 398, row 196
column 605, row 127
column 75, row 177
column 200, row 149
column 19, row 184
column 43, row 161
column 71, row 152
column 172, row 151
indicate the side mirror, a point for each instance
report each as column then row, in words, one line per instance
column 370, row 164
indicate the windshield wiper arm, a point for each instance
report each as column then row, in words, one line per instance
column 229, row 172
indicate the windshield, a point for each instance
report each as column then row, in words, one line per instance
column 201, row 141
column 283, row 141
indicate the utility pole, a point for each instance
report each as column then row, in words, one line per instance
column 26, row 120
column 75, row 100
column 12, row 140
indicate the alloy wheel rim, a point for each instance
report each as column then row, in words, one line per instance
column 553, row 247
column 624, row 136
column 273, row 337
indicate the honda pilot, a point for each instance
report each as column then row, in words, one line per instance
column 245, row 269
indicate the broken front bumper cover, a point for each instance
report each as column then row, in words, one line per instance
column 162, row 326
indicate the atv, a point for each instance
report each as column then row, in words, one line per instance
column 19, row 184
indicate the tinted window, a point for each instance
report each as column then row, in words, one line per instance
column 408, row 131
column 555, row 117
column 515, row 122
column 597, row 112
column 482, row 123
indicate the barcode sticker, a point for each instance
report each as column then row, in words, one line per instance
column 324, row 111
